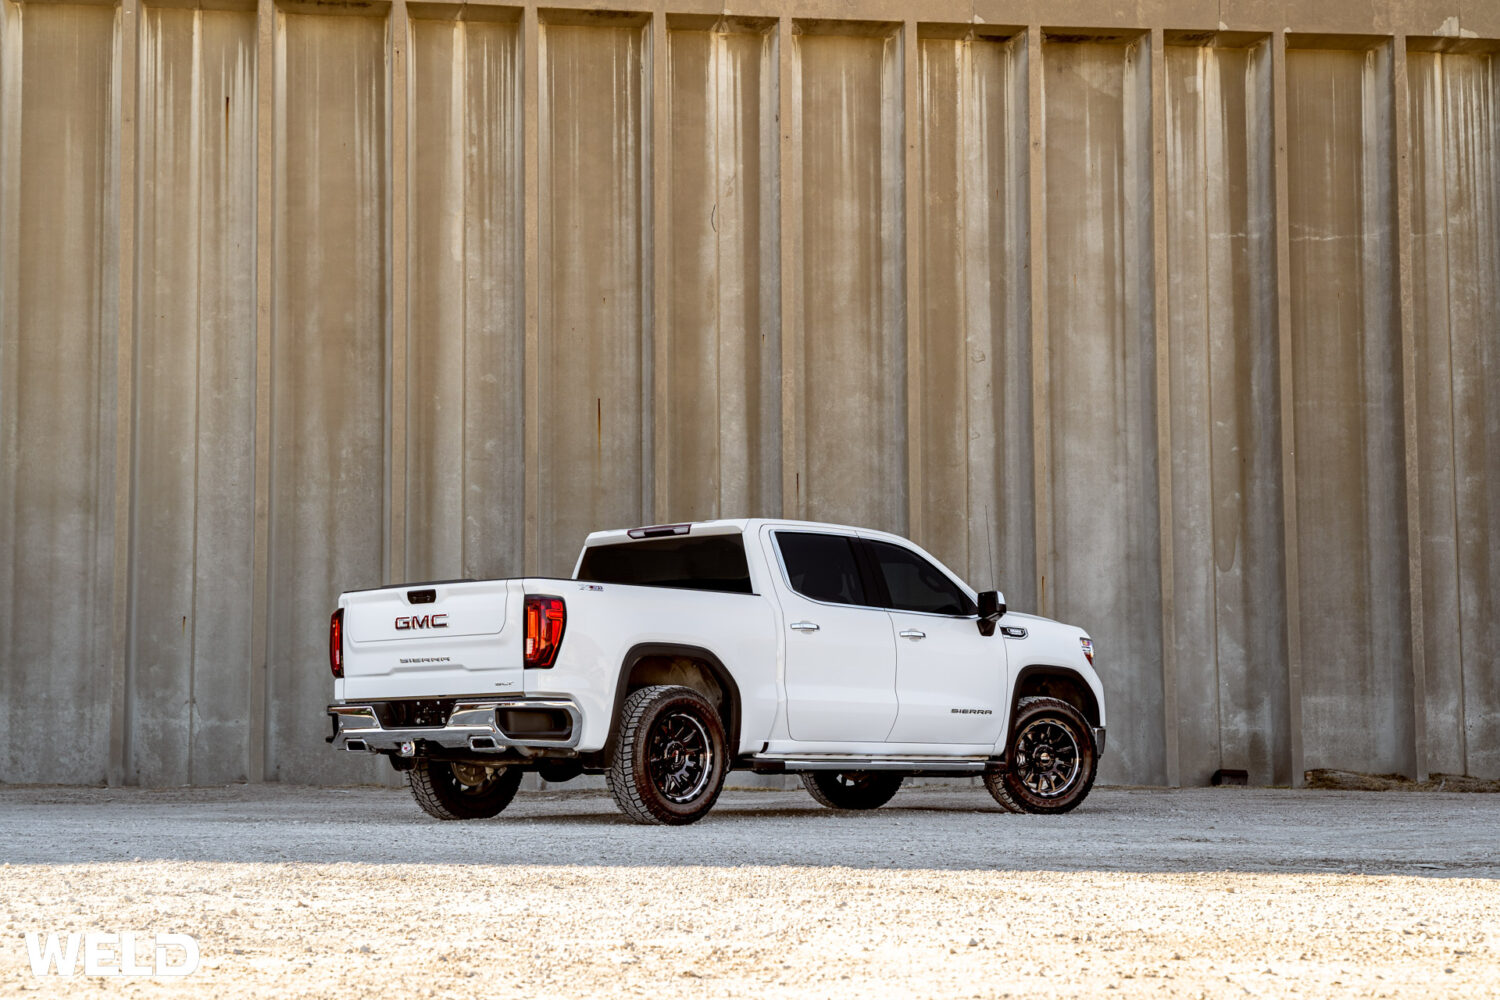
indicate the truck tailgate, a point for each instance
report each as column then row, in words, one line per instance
column 433, row 640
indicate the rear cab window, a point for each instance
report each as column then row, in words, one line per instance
column 708, row 562
column 823, row 567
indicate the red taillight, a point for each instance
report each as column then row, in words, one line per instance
column 545, row 619
column 336, row 643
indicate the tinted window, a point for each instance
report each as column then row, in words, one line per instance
column 914, row 584
column 714, row 562
column 822, row 567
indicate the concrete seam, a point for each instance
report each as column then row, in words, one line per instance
column 9, row 71
column 656, row 384
column 397, row 386
column 259, row 686
column 1410, row 415
column 531, row 56
column 718, row 57
column 1040, row 361
column 1161, row 320
column 125, row 79
column 1204, row 70
column 968, row 96
column 196, row 142
column 646, row 245
column 1440, row 83
column 913, row 326
column 462, row 99
column 790, row 245
column 1285, row 392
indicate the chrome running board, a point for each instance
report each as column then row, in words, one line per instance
column 853, row 762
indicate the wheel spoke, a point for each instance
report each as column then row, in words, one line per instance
column 1047, row 757
column 679, row 755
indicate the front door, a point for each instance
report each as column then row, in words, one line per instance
column 840, row 653
column 950, row 680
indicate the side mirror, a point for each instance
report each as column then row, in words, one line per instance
column 991, row 608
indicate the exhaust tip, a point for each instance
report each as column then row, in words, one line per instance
column 482, row 743
column 356, row 746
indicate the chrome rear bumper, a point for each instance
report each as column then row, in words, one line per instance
column 472, row 725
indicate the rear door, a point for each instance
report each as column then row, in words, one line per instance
column 430, row 640
column 950, row 680
column 840, row 654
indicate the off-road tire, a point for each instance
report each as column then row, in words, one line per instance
column 670, row 757
column 1056, row 729
column 441, row 789
column 995, row 782
column 852, row 789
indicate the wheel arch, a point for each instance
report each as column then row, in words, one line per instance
column 1064, row 683
column 693, row 667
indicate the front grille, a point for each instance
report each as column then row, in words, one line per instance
column 431, row 713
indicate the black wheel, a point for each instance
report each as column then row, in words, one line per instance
column 462, row 791
column 852, row 789
column 670, row 758
column 1052, row 759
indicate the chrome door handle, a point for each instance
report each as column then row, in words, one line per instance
column 911, row 633
column 804, row 626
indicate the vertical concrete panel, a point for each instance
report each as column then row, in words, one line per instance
column 853, row 273
column 1455, row 226
column 1101, row 381
column 594, row 296
column 1347, row 404
column 976, row 474
column 195, row 399
column 1225, row 455
column 58, row 296
column 465, row 470
column 722, row 330
column 328, row 367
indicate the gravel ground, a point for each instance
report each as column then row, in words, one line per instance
column 1140, row 893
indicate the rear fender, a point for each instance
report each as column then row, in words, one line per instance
column 714, row 666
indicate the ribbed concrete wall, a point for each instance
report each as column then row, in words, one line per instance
column 1346, row 380
column 720, row 329
column 1227, row 567
column 193, row 533
column 1455, row 239
column 1178, row 322
column 59, row 312
column 466, row 325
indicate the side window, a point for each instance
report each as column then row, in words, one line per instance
column 914, row 584
column 822, row 567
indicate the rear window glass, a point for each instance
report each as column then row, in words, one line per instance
column 821, row 567
column 714, row 562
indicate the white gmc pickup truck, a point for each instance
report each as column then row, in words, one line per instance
column 677, row 653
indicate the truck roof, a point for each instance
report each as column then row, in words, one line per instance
column 719, row 526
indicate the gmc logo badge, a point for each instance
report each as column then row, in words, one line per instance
column 421, row 621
